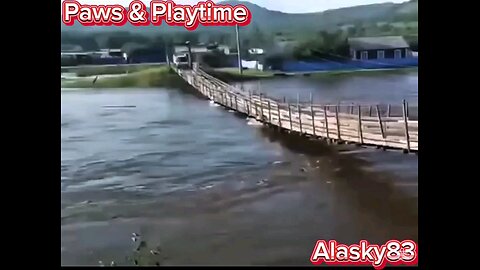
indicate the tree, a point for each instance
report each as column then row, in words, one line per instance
column 257, row 37
column 352, row 31
column 386, row 28
column 88, row 43
column 193, row 37
column 224, row 38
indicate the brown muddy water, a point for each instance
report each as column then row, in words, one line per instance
column 367, row 87
column 202, row 186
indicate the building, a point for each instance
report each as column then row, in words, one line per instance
column 387, row 47
column 194, row 48
column 215, row 55
column 201, row 49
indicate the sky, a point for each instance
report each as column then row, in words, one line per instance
column 289, row 6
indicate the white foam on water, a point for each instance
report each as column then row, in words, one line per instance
column 207, row 187
column 253, row 122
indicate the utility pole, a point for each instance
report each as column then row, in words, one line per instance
column 240, row 68
column 189, row 46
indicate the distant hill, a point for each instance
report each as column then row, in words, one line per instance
column 273, row 21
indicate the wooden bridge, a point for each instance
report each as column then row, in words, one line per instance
column 365, row 125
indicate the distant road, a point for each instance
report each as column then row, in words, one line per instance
column 114, row 65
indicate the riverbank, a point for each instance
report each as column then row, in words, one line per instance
column 91, row 70
column 149, row 77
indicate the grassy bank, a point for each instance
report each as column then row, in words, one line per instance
column 151, row 77
column 102, row 70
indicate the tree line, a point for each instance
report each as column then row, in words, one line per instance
column 320, row 45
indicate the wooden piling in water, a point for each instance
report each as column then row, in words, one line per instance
column 299, row 113
column 250, row 101
column 300, row 118
column 313, row 120
column 261, row 106
column 269, row 113
column 290, row 116
column 325, row 110
column 380, row 122
column 360, row 133
column 338, row 122
column 405, row 119
column 279, row 117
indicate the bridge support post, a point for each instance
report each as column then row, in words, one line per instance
column 249, row 104
column 313, row 120
column 290, row 116
column 279, row 116
column 405, row 119
column 360, row 133
column 337, row 122
column 325, row 110
column 261, row 106
column 269, row 113
column 380, row 122
column 299, row 113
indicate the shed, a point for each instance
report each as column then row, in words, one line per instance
column 368, row 48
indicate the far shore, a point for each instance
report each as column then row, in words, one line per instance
column 148, row 76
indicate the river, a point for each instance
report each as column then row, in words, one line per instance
column 359, row 87
column 200, row 185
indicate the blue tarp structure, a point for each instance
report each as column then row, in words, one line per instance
column 301, row 66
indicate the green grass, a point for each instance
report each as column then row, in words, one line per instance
column 103, row 70
column 151, row 77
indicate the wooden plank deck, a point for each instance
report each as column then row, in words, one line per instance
column 345, row 123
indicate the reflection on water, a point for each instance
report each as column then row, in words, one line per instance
column 207, row 188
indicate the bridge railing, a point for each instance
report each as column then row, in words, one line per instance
column 350, row 123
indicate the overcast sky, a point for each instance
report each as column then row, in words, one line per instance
column 290, row 6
